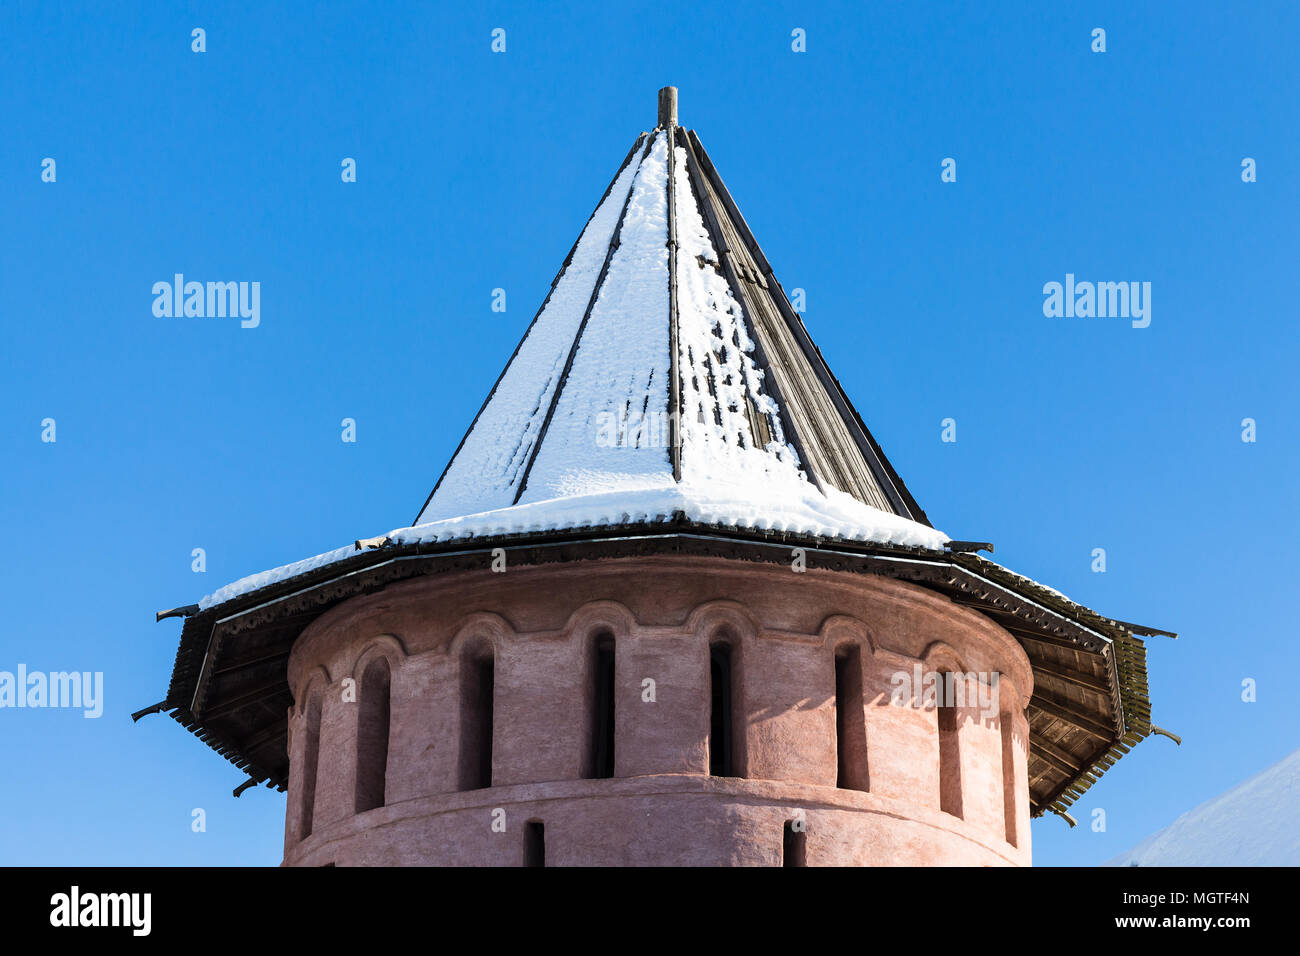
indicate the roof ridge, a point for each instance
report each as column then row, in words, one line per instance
column 674, row 336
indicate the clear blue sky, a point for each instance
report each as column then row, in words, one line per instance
column 477, row 170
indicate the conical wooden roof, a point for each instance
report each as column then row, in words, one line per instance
column 666, row 374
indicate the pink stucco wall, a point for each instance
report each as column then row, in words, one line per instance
column 661, row 807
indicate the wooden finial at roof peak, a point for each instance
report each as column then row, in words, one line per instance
column 668, row 107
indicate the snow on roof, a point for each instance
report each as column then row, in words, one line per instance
column 796, row 508
column 1251, row 824
column 578, row 431
column 485, row 470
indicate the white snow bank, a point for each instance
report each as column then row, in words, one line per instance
column 796, row 507
column 1252, row 824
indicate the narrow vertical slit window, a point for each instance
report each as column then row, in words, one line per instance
column 310, row 757
column 850, row 720
column 478, row 690
column 602, row 711
column 721, row 743
column 534, row 843
column 372, row 735
column 1007, row 727
column 794, row 846
column 949, row 749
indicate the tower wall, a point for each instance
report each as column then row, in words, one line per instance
column 540, row 625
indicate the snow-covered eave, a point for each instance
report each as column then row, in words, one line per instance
column 257, row 590
column 791, row 507
column 816, row 522
column 1054, row 598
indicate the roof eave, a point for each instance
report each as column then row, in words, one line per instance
column 1029, row 604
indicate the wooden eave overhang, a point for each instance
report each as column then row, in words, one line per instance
column 1089, row 707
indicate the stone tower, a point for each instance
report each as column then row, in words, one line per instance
column 668, row 604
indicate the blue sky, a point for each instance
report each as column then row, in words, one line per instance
column 477, row 170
